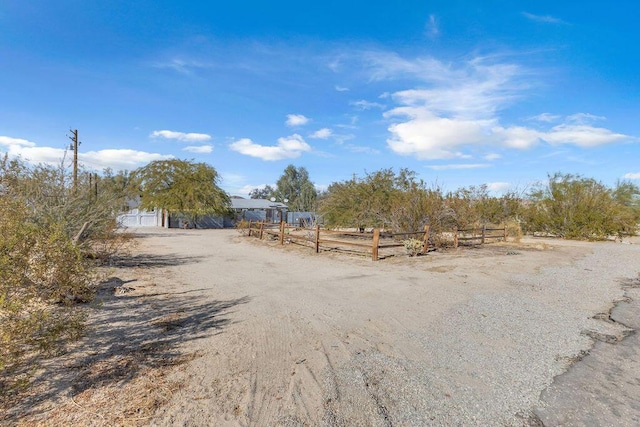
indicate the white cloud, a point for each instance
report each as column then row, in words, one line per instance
column 287, row 148
column 342, row 89
column 118, row 159
column 458, row 109
column 366, row 105
column 342, row 138
column 361, row 149
column 498, row 187
column 632, row 175
column 8, row 142
column 432, row 27
column 182, row 66
column 547, row 19
column 199, row 149
column 296, row 120
column 584, row 118
column 324, row 133
column 31, row 154
column 484, row 92
column 427, row 136
column 180, row 136
column 492, row 156
column 459, row 166
column 321, row 187
column 389, row 65
column 115, row 158
column 582, row 135
column 516, row 136
column 246, row 189
column 545, row 117
column 461, row 108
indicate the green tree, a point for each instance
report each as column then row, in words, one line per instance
column 262, row 193
column 183, row 186
column 295, row 186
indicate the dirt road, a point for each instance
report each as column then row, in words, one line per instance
column 288, row 337
column 471, row 337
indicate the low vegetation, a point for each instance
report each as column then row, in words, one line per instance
column 575, row 207
column 567, row 206
column 51, row 234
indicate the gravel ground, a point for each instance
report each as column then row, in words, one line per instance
column 487, row 360
column 503, row 335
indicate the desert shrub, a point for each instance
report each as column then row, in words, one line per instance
column 86, row 215
column 574, row 207
column 473, row 206
column 514, row 230
column 42, row 275
column 413, row 246
column 384, row 199
column 50, row 235
column 242, row 226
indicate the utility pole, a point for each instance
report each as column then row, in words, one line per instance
column 74, row 140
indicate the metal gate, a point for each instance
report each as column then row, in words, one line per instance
column 137, row 218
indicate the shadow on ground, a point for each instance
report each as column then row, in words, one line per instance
column 154, row 261
column 128, row 336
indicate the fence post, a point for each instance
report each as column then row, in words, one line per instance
column 425, row 246
column 282, row 232
column 455, row 237
column 376, row 243
column 484, row 232
column 505, row 231
column 261, row 229
column 317, row 238
column 250, row 221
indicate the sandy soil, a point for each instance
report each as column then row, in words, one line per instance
column 212, row 328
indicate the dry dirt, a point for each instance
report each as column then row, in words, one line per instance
column 206, row 327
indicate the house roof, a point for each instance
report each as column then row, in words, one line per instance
column 256, row 204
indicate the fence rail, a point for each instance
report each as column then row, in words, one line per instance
column 367, row 243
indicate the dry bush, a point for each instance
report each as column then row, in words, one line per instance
column 242, row 226
column 86, row 215
column 42, row 274
column 514, row 231
column 48, row 232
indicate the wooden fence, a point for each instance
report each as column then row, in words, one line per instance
column 478, row 235
column 367, row 243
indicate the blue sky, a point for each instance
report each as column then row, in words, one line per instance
column 462, row 92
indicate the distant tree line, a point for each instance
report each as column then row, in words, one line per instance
column 565, row 205
column 568, row 206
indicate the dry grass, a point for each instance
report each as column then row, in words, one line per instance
column 120, row 390
column 119, row 375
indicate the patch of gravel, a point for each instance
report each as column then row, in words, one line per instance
column 487, row 361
